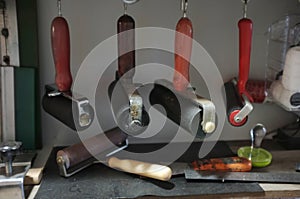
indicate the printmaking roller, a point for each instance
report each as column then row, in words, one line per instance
column 69, row 158
column 190, row 111
column 59, row 101
column 183, row 50
column 74, row 111
column 238, row 100
column 254, row 90
column 79, row 156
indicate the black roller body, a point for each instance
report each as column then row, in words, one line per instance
column 64, row 110
column 179, row 109
column 234, row 102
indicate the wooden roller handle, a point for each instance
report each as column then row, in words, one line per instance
column 60, row 40
column 155, row 171
column 245, row 39
column 126, row 46
column 183, row 51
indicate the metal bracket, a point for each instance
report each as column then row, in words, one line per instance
column 12, row 186
column 82, row 103
column 245, row 111
column 208, row 108
column 135, row 102
column 209, row 114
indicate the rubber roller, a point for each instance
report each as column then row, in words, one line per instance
column 238, row 105
column 99, row 144
column 76, row 114
column 234, row 104
column 179, row 109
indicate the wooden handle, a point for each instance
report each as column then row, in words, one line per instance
column 183, row 51
column 245, row 39
column 155, row 171
column 126, row 46
column 60, row 40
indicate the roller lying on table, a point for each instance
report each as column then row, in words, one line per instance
column 78, row 156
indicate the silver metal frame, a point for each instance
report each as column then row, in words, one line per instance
column 8, row 47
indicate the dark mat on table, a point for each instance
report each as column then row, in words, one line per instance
column 99, row 181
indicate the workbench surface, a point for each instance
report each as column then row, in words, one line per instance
column 114, row 184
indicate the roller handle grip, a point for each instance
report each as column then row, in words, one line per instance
column 60, row 40
column 155, row 171
column 183, row 51
column 245, row 39
column 126, row 46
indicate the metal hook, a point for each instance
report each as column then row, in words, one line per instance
column 245, row 2
column 130, row 1
column 59, row 8
column 125, row 8
column 184, row 6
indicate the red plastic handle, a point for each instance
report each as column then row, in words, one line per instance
column 183, row 51
column 60, row 40
column 245, row 39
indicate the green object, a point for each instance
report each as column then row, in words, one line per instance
column 259, row 157
column 27, row 98
column 27, row 32
column 27, row 113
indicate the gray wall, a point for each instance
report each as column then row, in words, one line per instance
column 215, row 28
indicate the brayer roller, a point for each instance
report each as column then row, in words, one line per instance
column 193, row 113
column 238, row 108
column 77, row 157
column 72, row 156
column 76, row 113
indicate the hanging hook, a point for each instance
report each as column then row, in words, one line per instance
column 59, row 7
column 130, row 1
column 125, row 8
column 184, row 5
column 245, row 2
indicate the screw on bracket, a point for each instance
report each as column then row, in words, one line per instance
column 9, row 151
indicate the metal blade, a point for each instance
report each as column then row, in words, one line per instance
column 179, row 168
column 290, row 177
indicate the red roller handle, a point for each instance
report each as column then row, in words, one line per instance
column 126, row 46
column 60, row 40
column 245, row 39
column 183, row 51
